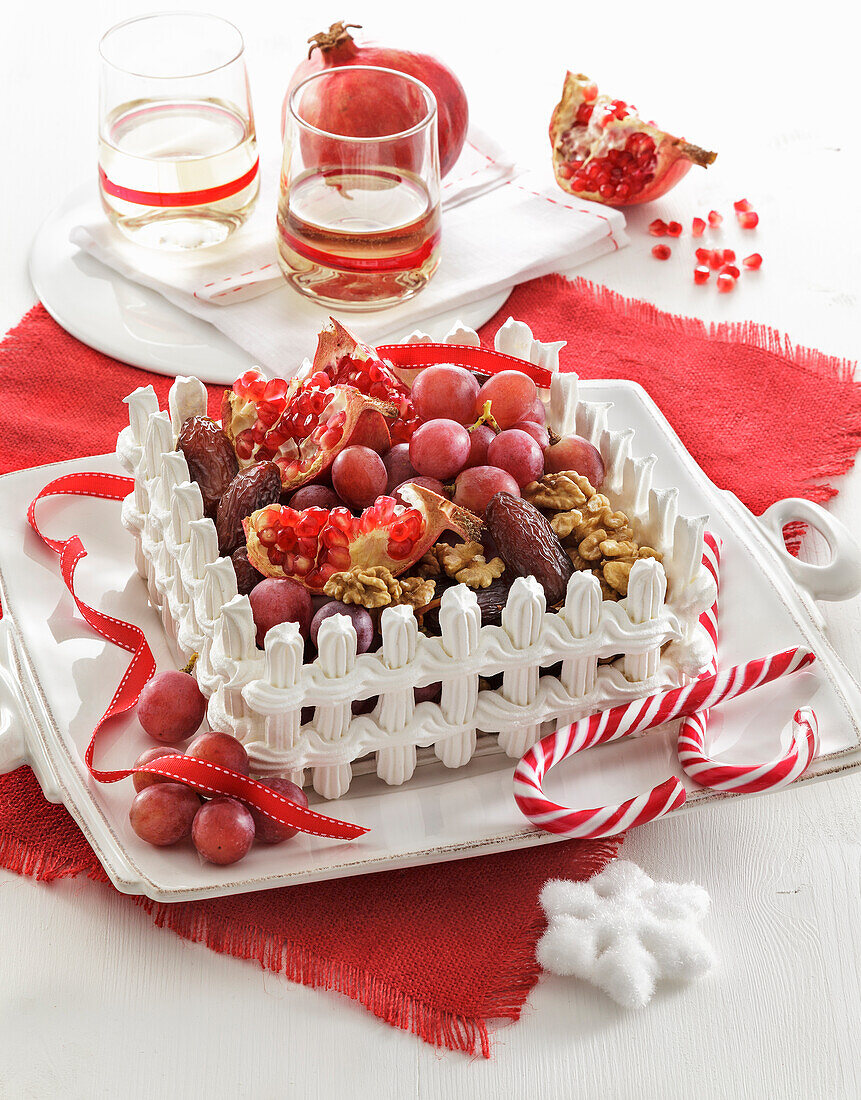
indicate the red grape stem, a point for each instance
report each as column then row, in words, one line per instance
column 192, row 662
column 487, row 418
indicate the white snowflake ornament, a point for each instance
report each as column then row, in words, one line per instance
column 623, row 932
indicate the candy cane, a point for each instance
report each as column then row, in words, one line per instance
column 746, row 778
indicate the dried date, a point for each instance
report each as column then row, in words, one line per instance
column 247, row 576
column 528, row 544
column 254, row 488
column 211, row 459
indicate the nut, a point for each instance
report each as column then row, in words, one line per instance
column 616, row 575
column 558, row 492
column 480, row 573
column 465, row 562
column 416, row 591
column 564, row 523
column 428, row 566
column 367, row 586
column 590, row 546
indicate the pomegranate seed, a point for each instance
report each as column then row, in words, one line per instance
column 753, row 261
column 701, row 274
column 748, row 219
column 728, row 256
column 662, row 252
column 674, row 229
column 716, row 260
column 725, row 283
column 704, row 255
column 730, row 269
column 741, row 206
column 658, row 228
column 714, row 218
column 566, row 171
column 698, row 227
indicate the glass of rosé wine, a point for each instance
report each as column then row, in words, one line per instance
column 359, row 207
column 178, row 165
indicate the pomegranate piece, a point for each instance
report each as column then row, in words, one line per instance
column 604, row 152
column 698, row 227
column 662, row 252
column 730, row 269
column 658, row 228
column 728, row 256
column 748, row 219
column 701, row 274
column 704, row 255
column 310, row 546
column 716, row 260
column 674, row 229
column 725, row 283
column 715, row 219
column 741, row 206
column 753, row 262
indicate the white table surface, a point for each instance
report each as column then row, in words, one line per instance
column 96, row 1002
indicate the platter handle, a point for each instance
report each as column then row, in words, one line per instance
column 840, row 578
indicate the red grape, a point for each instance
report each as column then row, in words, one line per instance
column 364, row 706
column 537, row 414
column 428, row 694
column 511, row 395
column 163, row 814
column 538, row 432
column 220, row 749
column 315, row 496
column 272, row 832
column 519, row 454
column 474, row 488
column 360, row 618
column 223, row 830
column 439, row 448
column 280, row 600
column 572, row 452
column 142, row 780
column 359, row 476
column 425, row 482
column 445, row 391
column 171, row 707
column 479, row 440
column 398, row 466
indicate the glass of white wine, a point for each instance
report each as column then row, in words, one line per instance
column 178, row 166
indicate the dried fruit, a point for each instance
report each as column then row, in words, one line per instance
column 753, row 261
column 247, row 577
column 492, row 600
column 748, row 219
column 312, row 545
column 674, row 229
column 212, row 462
column 250, row 490
column 604, row 152
column 697, row 227
column 662, row 252
column 528, row 544
column 658, row 228
column 715, row 219
column 701, row 274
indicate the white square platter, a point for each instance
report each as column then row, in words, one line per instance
column 56, row 677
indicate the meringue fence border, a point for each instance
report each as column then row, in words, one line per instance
column 259, row 695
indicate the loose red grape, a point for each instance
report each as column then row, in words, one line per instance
column 315, row 496
column 537, row 414
column 364, row 706
column 359, row 476
column 398, row 466
column 273, row 832
column 445, row 391
column 163, row 814
column 479, row 441
column 171, row 707
column 223, row 830
column 280, row 600
column 572, row 452
column 517, row 453
column 428, row 694
column 220, row 749
column 474, row 487
column 425, row 482
column 439, row 448
column 511, row 395
column 538, row 432
column 361, row 620
column 142, row 780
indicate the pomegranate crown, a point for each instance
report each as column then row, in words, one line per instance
column 337, row 34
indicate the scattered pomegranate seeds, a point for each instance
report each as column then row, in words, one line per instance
column 753, row 261
column 662, row 252
column 658, row 228
column 674, row 229
column 728, row 256
column 716, row 259
column 714, row 218
column 730, row 269
column 741, row 206
column 704, row 255
column 748, row 219
column 701, row 274
column 698, row 227
column 725, row 283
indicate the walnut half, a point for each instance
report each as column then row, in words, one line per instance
column 366, row 586
column 466, row 563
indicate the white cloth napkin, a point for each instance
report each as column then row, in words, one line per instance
column 499, row 229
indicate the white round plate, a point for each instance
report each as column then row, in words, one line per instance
column 138, row 326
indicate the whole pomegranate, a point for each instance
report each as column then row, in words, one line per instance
column 374, row 110
column 604, row 152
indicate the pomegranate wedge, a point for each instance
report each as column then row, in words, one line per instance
column 604, row 152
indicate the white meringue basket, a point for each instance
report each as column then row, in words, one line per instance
column 648, row 641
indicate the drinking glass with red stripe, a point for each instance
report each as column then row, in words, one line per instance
column 178, row 165
column 359, row 208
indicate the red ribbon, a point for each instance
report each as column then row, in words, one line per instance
column 208, row 778
column 483, row 360
column 178, row 198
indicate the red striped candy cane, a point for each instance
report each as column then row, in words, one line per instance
column 741, row 778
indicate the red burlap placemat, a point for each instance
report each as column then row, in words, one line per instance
column 441, row 950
